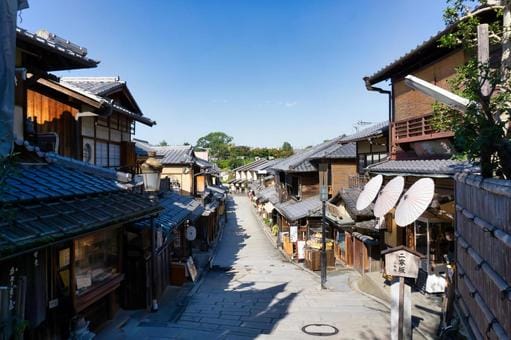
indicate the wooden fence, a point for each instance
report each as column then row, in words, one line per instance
column 483, row 246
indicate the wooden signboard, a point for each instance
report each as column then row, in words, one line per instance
column 401, row 262
column 190, row 267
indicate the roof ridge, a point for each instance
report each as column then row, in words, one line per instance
column 93, row 79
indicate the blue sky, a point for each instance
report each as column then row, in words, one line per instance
column 263, row 71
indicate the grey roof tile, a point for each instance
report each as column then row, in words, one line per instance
column 251, row 165
column 177, row 209
column 300, row 162
column 430, row 167
column 374, row 130
column 181, row 154
column 64, row 50
column 47, row 181
column 338, row 151
column 349, row 198
column 30, row 224
column 99, row 88
column 295, row 210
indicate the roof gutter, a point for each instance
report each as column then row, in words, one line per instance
column 372, row 88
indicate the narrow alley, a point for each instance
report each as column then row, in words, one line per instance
column 250, row 293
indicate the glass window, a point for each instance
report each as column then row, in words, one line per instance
column 115, row 155
column 96, row 259
column 101, row 153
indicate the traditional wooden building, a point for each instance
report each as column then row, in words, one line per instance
column 157, row 250
column 85, row 118
column 419, row 150
column 187, row 173
column 63, row 235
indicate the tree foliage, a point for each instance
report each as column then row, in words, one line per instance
column 228, row 155
column 481, row 133
column 217, row 143
column 163, row 143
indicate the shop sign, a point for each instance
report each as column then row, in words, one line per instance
column 402, row 263
column 293, row 233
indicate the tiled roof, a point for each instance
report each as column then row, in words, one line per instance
column 177, row 154
column 374, row 130
column 29, row 182
column 267, row 165
column 218, row 188
column 425, row 52
column 25, row 226
column 98, row 88
column 268, row 195
column 430, row 167
column 252, row 165
column 177, row 209
column 338, row 151
column 349, row 197
column 44, row 202
column 295, row 210
column 77, row 55
column 142, row 147
column 300, row 162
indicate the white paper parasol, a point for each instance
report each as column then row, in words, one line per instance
column 389, row 196
column 369, row 193
column 415, row 201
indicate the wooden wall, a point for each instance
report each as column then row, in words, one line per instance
column 483, row 246
column 341, row 172
column 309, row 185
column 56, row 116
column 410, row 103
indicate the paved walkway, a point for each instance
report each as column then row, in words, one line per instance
column 252, row 292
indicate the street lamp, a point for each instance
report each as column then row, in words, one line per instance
column 151, row 173
column 323, row 196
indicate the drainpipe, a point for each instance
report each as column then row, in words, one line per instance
column 370, row 87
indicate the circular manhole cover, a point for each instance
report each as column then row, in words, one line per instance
column 320, row 329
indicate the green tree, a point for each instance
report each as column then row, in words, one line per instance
column 163, row 143
column 286, row 150
column 218, row 144
column 482, row 132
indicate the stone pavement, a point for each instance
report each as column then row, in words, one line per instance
column 253, row 292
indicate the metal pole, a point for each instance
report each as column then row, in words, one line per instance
column 323, row 248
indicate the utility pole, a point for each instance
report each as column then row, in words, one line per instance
column 323, row 196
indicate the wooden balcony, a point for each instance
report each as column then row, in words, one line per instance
column 417, row 129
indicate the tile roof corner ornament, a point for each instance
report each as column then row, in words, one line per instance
column 442, row 95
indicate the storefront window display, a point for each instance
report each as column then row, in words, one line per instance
column 96, row 259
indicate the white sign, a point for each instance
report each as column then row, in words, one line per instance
column 301, row 250
column 191, row 233
column 293, row 233
column 53, row 303
column 402, row 263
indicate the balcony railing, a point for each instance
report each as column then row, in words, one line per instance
column 357, row 181
column 417, row 129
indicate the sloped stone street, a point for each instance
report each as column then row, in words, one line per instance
column 252, row 292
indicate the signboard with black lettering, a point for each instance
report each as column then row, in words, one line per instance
column 402, row 263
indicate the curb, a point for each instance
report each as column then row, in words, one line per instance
column 354, row 285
